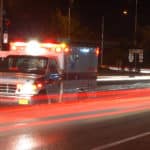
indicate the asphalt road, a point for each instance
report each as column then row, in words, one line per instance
column 114, row 120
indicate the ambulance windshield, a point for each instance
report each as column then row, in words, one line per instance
column 24, row 64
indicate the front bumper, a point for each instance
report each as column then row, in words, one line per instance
column 24, row 99
column 21, row 100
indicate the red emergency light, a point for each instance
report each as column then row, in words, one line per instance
column 34, row 45
column 97, row 51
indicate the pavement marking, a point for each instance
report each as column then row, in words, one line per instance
column 110, row 145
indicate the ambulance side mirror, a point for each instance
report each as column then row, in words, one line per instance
column 54, row 76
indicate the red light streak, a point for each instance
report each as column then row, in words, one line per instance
column 63, row 120
column 29, row 116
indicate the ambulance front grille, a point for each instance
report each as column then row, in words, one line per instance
column 8, row 88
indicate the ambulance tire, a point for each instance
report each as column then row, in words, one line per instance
column 44, row 97
column 47, row 99
column 59, row 96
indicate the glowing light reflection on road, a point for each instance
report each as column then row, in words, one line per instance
column 24, row 142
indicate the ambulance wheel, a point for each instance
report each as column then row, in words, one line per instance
column 58, row 97
column 48, row 99
column 44, row 99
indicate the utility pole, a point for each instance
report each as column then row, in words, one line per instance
column 69, row 18
column 135, row 32
column 102, row 40
column 1, row 23
column 135, row 23
column 69, row 22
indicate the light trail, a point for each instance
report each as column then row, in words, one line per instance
column 65, row 120
column 103, row 100
column 83, row 111
column 123, row 78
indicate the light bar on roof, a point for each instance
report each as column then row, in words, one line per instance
column 34, row 46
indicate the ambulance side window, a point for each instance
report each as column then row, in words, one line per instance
column 53, row 66
column 3, row 63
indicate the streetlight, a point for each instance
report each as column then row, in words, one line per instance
column 135, row 52
column 135, row 32
column 102, row 40
column 125, row 12
column 69, row 19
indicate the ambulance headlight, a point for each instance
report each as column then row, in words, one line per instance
column 27, row 88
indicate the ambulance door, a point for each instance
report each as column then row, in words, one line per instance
column 53, row 77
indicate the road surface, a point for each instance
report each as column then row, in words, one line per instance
column 115, row 119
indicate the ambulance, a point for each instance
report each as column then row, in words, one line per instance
column 33, row 72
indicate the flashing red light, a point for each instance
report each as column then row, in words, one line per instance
column 66, row 50
column 97, row 51
column 34, row 45
column 39, row 85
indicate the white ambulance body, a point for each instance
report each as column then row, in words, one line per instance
column 44, row 72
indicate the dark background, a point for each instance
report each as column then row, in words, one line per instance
column 32, row 19
column 89, row 13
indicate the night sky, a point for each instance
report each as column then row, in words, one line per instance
column 88, row 12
